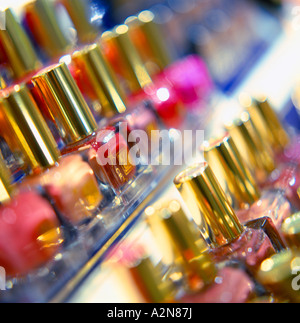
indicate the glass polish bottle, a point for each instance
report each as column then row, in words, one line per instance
column 68, row 180
column 227, row 238
column 136, row 81
column 264, row 209
column 105, row 148
column 18, row 56
column 30, row 233
column 208, row 282
column 97, row 81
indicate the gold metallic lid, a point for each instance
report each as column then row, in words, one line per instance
column 188, row 241
column 65, row 102
column 267, row 122
column 79, row 12
column 5, row 183
column 91, row 61
column 134, row 70
column 291, row 230
column 279, row 274
column 223, row 154
column 154, row 46
column 17, row 46
column 29, row 128
column 46, row 29
column 203, row 195
column 150, row 281
column 258, row 154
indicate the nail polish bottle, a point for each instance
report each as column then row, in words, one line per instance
column 69, row 181
column 277, row 143
column 18, row 52
column 256, row 153
column 189, row 76
column 29, row 229
column 149, row 279
column 227, row 237
column 96, row 79
column 208, row 281
column 128, row 65
column 280, row 274
column 51, row 35
column 266, row 209
column 267, row 122
column 106, row 99
column 106, row 149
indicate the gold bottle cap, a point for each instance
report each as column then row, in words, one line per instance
column 154, row 46
column 66, row 104
column 291, row 230
column 203, row 195
column 5, row 183
column 30, row 130
column 17, row 46
column 267, row 122
column 105, row 87
column 258, row 155
column 150, row 280
column 81, row 17
column 134, row 70
column 188, row 241
column 278, row 274
column 223, row 154
column 46, row 29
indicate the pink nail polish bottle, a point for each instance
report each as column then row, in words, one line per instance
column 226, row 236
column 29, row 229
